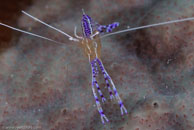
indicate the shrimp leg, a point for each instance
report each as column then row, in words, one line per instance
column 95, row 81
column 100, row 110
column 96, row 67
column 122, row 107
column 107, row 82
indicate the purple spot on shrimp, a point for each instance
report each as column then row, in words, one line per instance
column 102, row 112
column 108, row 30
column 121, row 104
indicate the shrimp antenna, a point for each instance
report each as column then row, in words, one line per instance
column 70, row 37
column 150, row 25
column 29, row 33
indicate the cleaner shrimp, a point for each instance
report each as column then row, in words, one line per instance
column 90, row 42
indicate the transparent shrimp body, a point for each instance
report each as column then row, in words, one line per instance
column 91, row 47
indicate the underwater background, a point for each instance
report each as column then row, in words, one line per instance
column 46, row 86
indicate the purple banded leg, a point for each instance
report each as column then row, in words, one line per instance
column 101, row 28
column 110, row 27
column 94, row 81
column 107, row 28
column 94, row 65
column 122, row 107
column 96, row 68
column 107, row 82
column 100, row 110
column 103, row 116
column 99, row 91
column 108, row 86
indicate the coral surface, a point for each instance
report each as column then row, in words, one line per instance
column 46, row 86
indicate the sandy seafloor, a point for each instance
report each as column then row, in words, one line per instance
column 46, row 86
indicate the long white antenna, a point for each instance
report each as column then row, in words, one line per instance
column 148, row 26
column 70, row 37
column 29, row 33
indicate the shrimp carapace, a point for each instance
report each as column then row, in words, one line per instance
column 91, row 47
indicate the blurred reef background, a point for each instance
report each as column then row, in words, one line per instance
column 48, row 86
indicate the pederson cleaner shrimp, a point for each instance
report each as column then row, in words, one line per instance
column 90, row 43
